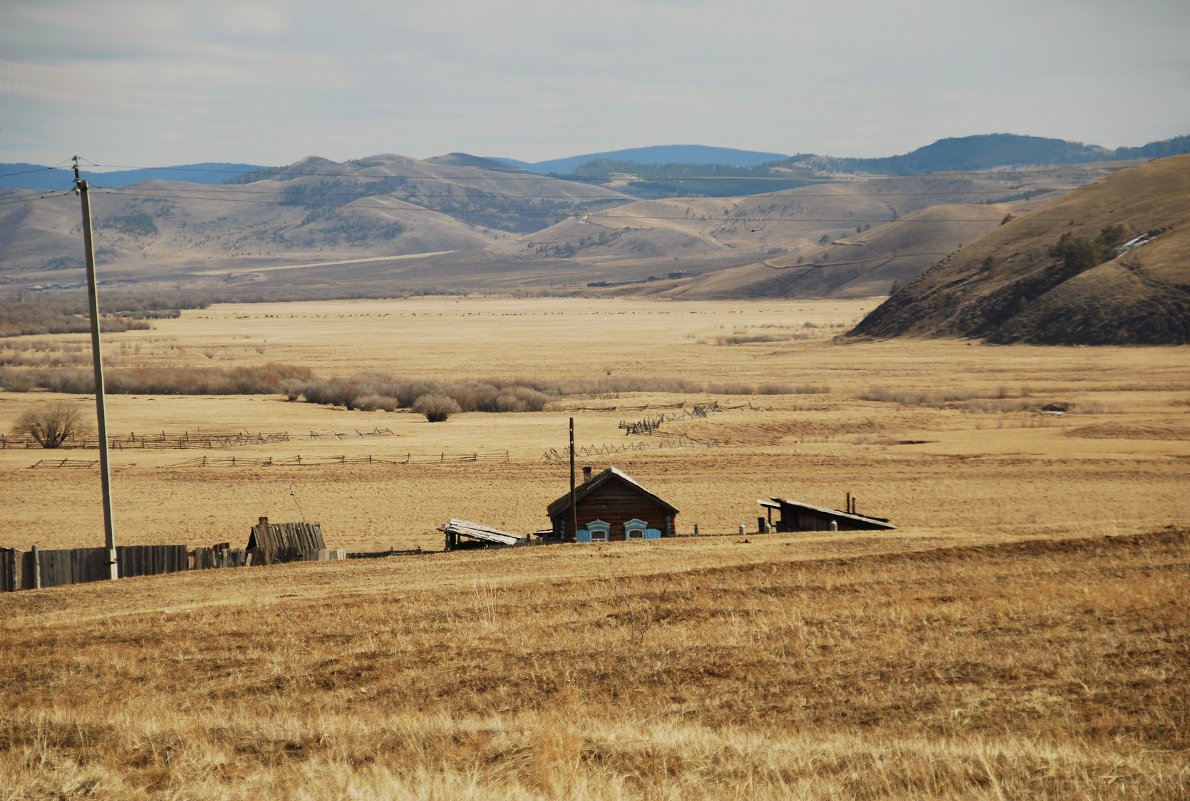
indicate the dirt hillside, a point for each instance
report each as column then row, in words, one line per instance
column 1105, row 264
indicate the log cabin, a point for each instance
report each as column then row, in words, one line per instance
column 611, row 507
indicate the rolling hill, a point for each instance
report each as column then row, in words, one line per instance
column 1104, row 264
column 387, row 224
column 311, row 210
column 658, row 154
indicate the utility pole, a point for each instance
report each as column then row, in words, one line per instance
column 109, row 529
column 573, row 508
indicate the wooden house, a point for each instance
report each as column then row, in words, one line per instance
column 611, row 507
column 798, row 516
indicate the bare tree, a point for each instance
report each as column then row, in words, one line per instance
column 51, row 424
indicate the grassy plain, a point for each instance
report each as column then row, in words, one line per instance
column 1022, row 634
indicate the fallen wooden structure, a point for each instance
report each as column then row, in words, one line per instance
column 464, row 534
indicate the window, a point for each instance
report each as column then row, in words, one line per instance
column 599, row 530
column 635, row 529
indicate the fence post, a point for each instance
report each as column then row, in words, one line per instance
column 36, row 568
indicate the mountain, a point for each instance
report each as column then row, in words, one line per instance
column 693, row 170
column 1104, row 264
column 388, row 223
column 661, row 154
column 984, row 152
column 38, row 177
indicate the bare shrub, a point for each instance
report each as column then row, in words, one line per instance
column 265, row 379
column 51, row 424
column 792, row 389
column 17, row 380
column 729, row 388
column 436, row 407
column 373, row 402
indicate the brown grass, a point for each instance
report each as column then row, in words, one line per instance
column 790, row 667
column 1021, row 635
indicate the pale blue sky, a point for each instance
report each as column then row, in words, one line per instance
column 150, row 83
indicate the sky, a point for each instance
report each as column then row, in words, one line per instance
column 141, row 83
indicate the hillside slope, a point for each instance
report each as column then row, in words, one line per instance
column 869, row 263
column 314, row 209
column 1058, row 275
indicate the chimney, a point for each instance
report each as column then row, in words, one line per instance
column 586, row 473
column 264, row 521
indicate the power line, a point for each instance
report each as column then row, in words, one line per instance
column 367, row 192
column 42, row 196
column 26, row 172
column 494, row 175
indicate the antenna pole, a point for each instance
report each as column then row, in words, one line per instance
column 83, row 190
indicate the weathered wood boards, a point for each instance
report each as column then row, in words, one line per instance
column 456, row 530
column 34, row 569
column 285, row 542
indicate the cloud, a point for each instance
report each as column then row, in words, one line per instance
column 271, row 82
column 255, row 19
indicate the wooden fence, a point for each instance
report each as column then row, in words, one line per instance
column 650, row 424
column 555, row 455
column 174, row 440
column 316, row 461
column 36, row 568
column 27, row 570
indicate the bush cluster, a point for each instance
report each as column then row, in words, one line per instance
column 65, row 311
column 373, row 391
column 266, row 379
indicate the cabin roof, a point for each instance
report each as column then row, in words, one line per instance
column 478, row 531
column 874, row 522
column 611, row 474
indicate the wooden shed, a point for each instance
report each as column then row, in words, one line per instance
column 285, row 542
column 798, row 516
column 611, row 507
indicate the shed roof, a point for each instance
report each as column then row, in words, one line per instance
column 867, row 520
column 478, row 531
column 611, row 474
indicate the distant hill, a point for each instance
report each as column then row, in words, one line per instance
column 387, row 223
column 695, row 170
column 984, row 152
column 38, row 177
column 315, row 209
column 1105, row 264
column 660, row 154
column 467, row 160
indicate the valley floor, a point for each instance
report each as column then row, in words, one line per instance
column 1022, row 633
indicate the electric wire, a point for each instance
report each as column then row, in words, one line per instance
column 494, row 175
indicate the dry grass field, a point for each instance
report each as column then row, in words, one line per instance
column 1022, row 634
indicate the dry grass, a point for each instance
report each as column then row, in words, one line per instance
column 969, row 455
column 1022, row 634
column 789, row 667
